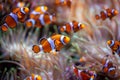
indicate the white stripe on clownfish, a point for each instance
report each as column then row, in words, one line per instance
column 113, row 42
column 51, row 42
column 41, row 18
column 14, row 16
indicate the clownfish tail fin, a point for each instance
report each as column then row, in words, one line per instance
column 36, row 48
column 4, row 27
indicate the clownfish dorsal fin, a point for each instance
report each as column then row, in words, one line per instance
column 42, row 40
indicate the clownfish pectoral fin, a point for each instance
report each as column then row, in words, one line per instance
column 42, row 40
column 36, row 48
column 54, row 52
column 58, row 45
column 57, row 42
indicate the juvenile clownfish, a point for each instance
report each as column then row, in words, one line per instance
column 115, row 46
column 34, row 16
column 21, row 13
column 63, row 2
column 73, row 26
column 11, row 21
column 108, row 13
column 34, row 77
column 40, row 20
column 108, row 67
column 55, row 42
column 13, row 18
column 84, row 75
column 37, row 11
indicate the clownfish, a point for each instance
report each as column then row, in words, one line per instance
column 33, row 77
column 40, row 20
column 115, row 46
column 108, row 67
column 55, row 42
column 73, row 26
column 108, row 13
column 38, row 10
column 13, row 18
column 11, row 21
column 84, row 74
column 63, row 2
column 21, row 13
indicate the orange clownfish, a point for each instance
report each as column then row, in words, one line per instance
column 84, row 74
column 73, row 26
column 34, row 77
column 41, row 20
column 63, row 2
column 13, row 18
column 115, row 46
column 108, row 13
column 38, row 10
column 108, row 67
column 21, row 13
column 11, row 21
column 55, row 42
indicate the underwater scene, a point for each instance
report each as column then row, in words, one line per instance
column 59, row 40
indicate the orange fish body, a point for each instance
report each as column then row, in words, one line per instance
column 38, row 10
column 108, row 13
column 60, row 41
column 63, row 2
column 11, row 20
column 33, row 77
column 83, row 75
column 111, row 13
column 108, row 67
column 4, row 27
column 30, row 22
column 21, row 13
column 45, row 19
column 56, row 42
column 72, row 27
column 41, row 9
column 115, row 46
column 112, row 71
column 75, row 70
column 41, row 20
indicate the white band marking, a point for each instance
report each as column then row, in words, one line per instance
column 41, row 18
